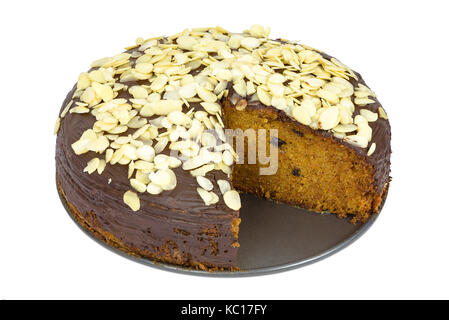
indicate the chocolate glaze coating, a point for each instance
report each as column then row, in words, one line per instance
column 201, row 233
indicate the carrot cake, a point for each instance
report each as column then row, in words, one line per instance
column 155, row 143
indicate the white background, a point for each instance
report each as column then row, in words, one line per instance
column 401, row 49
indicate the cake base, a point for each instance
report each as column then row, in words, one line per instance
column 273, row 237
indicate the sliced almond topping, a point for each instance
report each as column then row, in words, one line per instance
column 188, row 91
column 211, row 107
column 57, row 125
column 206, row 95
column 194, row 162
column 144, row 67
column 138, row 185
column 66, row 109
column 232, row 199
column 186, row 42
column 204, row 183
column 92, row 165
column 132, row 200
column 208, row 140
column 382, row 113
column 179, row 118
column 357, row 140
column 301, row 115
column 328, row 95
column 228, row 159
column 368, row 115
column 103, row 91
column 250, row 43
column 160, row 145
column 308, row 105
column 138, row 92
column 144, row 165
column 263, row 96
column 159, row 83
column 154, row 189
column 240, row 87
column 205, row 195
column 146, row 153
column 164, row 107
column 224, row 186
column 371, row 149
column 202, row 171
column 345, row 128
column 101, row 166
column 329, row 118
column 363, row 101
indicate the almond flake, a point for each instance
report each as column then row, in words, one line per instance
column 138, row 185
column 301, row 115
column 164, row 107
column 328, row 95
column 154, row 189
column 211, row 107
column 363, row 101
column 345, row 128
column 309, row 106
column 188, row 91
column 103, row 91
column 250, row 43
column 257, row 31
column 179, row 118
column 206, row 95
column 79, row 109
column 146, row 153
column 144, row 67
column 208, row 140
column 144, row 165
column 57, row 125
column 228, row 159
column 263, row 96
column 329, row 118
column 382, row 113
column 204, row 183
column 92, row 165
column 66, row 109
column 160, row 145
column 101, row 166
column 232, row 199
column 132, row 200
column 371, row 149
column 186, row 42
column 138, row 92
column 159, row 83
column 202, row 171
column 224, row 186
column 357, row 140
column 205, row 195
column 368, row 115
column 240, row 88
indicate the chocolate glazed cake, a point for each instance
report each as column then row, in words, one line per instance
column 144, row 164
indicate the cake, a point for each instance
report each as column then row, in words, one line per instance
column 145, row 161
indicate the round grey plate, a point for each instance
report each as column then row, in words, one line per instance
column 275, row 237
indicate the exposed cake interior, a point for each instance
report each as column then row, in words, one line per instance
column 313, row 171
